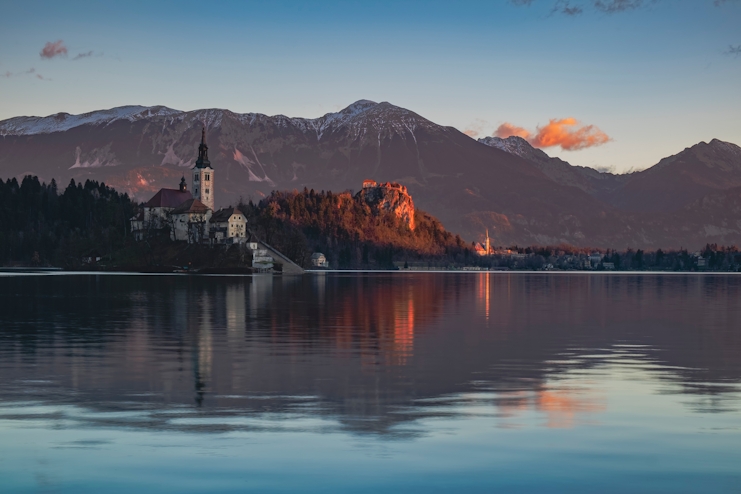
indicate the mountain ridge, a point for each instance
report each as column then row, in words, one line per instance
column 521, row 194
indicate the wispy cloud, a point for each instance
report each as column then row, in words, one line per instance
column 733, row 51
column 567, row 8
column 576, row 7
column 31, row 72
column 83, row 55
column 476, row 128
column 563, row 132
column 53, row 49
column 617, row 6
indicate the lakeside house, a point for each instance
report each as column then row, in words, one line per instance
column 228, row 225
column 318, row 260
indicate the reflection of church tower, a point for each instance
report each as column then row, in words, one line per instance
column 487, row 243
column 203, row 175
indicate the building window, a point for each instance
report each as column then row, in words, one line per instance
column 196, row 190
column 206, row 191
column 208, row 176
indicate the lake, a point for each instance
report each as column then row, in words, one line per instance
column 363, row 382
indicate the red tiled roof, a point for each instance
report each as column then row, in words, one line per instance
column 168, row 198
column 223, row 215
column 191, row 206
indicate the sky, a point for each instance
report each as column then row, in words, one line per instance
column 611, row 84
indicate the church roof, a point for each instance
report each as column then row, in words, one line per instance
column 191, row 206
column 168, row 198
column 224, row 214
column 202, row 161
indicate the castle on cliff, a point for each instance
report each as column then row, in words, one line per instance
column 389, row 197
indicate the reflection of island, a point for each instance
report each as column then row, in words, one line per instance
column 364, row 347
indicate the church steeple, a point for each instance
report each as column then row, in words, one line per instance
column 203, row 175
column 202, row 161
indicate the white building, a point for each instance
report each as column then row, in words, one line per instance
column 228, row 225
column 261, row 260
column 156, row 211
column 189, row 216
column 190, row 222
column 203, row 175
column 318, row 260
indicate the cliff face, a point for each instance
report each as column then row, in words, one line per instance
column 389, row 197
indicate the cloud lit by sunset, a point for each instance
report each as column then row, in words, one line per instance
column 564, row 132
column 53, row 49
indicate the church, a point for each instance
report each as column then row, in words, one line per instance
column 190, row 217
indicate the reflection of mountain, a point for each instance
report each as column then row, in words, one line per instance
column 364, row 348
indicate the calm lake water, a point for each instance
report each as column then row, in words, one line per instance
column 429, row 382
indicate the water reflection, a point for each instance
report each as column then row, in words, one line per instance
column 374, row 351
column 445, row 374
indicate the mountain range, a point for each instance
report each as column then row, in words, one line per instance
column 519, row 193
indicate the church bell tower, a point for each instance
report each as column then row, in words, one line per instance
column 203, row 175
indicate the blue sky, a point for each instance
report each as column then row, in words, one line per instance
column 655, row 78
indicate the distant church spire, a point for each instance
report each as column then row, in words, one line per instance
column 202, row 161
column 183, row 185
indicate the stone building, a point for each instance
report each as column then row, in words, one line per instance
column 156, row 211
column 191, row 217
column 203, row 175
column 190, row 222
column 228, row 225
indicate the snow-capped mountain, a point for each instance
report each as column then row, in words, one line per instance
column 598, row 184
column 357, row 118
column 519, row 193
column 61, row 122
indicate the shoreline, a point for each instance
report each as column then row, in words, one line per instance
column 10, row 272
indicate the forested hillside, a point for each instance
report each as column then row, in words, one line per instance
column 349, row 232
column 41, row 226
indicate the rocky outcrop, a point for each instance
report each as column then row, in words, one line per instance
column 389, row 197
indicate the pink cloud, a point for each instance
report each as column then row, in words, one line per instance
column 507, row 129
column 55, row 49
column 564, row 132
